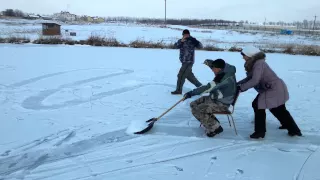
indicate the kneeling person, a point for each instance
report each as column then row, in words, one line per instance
column 221, row 91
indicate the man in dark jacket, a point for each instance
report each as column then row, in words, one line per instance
column 222, row 91
column 187, row 47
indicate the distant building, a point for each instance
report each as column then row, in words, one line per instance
column 51, row 29
column 32, row 16
column 65, row 16
column 46, row 17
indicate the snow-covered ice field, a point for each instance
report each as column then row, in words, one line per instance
column 127, row 33
column 67, row 113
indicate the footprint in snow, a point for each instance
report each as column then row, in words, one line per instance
column 214, row 158
column 6, row 153
column 284, row 150
column 178, row 168
column 247, row 152
column 240, row 171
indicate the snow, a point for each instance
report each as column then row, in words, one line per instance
column 136, row 126
column 127, row 33
column 68, row 112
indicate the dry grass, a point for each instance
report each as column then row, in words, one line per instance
column 99, row 40
column 206, row 31
column 311, row 50
column 2, row 40
column 49, row 40
column 15, row 40
column 294, row 49
column 140, row 43
column 235, row 49
column 212, row 48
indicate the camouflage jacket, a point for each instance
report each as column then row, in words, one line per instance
column 187, row 49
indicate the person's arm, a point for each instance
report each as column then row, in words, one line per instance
column 197, row 44
column 210, row 87
column 202, row 89
column 246, row 79
column 256, row 77
column 178, row 44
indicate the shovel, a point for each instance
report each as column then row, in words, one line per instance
column 153, row 120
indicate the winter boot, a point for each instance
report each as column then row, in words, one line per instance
column 282, row 127
column 294, row 133
column 217, row 131
column 257, row 135
column 176, row 92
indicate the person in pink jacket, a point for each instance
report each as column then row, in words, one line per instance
column 272, row 93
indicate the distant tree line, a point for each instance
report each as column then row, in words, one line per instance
column 13, row 13
column 169, row 21
column 305, row 24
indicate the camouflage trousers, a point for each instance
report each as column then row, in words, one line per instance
column 203, row 109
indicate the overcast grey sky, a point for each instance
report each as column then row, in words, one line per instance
column 252, row 10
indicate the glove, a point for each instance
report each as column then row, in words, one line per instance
column 187, row 95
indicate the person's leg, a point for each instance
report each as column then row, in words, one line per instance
column 192, row 78
column 202, row 110
column 259, row 120
column 275, row 114
column 182, row 75
column 284, row 116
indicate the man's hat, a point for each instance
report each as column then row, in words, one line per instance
column 218, row 63
column 186, row 31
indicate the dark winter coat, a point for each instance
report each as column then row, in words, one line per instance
column 272, row 90
column 222, row 88
column 187, row 49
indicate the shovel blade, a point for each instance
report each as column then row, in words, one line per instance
column 148, row 128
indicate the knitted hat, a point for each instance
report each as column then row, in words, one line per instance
column 186, row 31
column 250, row 51
column 218, row 63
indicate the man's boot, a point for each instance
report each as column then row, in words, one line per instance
column 176, row 92
column 217, row 131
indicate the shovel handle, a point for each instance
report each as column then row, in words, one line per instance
column 171, row 108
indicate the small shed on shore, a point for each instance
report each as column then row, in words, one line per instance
column 51, row 29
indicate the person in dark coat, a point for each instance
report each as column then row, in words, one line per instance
column 272, row 93
column 187, row 47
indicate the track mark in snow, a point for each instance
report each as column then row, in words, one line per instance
column 297, row 177
column 284, row 150
column 231, row 145
column 35, row 79
column 129, row 161
column 16, row 162
column 66, row 139
column 35, row 102
column 38, row 162
column 6, row 153
column 32, row 160
column 46, row 139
